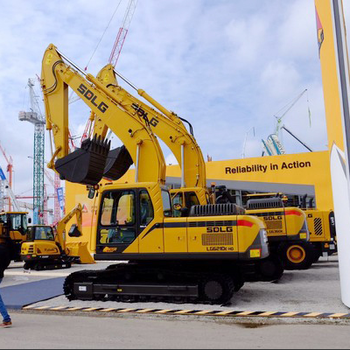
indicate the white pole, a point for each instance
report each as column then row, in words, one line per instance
column 183, row 185
column 340, row 161
column 137, row 163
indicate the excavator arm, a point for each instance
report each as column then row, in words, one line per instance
column 165, row 124
column 61, row 226
column 89, row 164
column 73, row 249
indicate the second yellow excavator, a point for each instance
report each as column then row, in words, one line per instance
column 45, row 250
column 170, row 128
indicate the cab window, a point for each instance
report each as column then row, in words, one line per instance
column 146, row 208
column 167, row 203
column 18, row 222
column 118, row 218
column 3, row 219
column 191, row 200
column 177, row 200
column 118, row 208
column 44, row 234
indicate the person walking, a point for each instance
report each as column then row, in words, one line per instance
column 5, row 260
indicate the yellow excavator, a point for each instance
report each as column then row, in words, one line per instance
column 13, row 231
column 45, row 250
column 199, row 258
column 170, row 128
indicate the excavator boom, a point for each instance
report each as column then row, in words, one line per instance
column 87, row 165
column 165, row 124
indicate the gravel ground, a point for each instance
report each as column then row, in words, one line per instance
column 314, row 290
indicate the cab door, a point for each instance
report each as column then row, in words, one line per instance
column 118, row 224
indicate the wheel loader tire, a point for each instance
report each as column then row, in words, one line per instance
column 271, row 269
column 317, row 252
column 297, row 256
column 217, row 289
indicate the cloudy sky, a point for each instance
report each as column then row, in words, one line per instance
column 225, row 65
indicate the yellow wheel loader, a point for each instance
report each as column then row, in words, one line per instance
column 13, row 231
column 287, row 230
column 320, row 226
column 323, row 234
column 45, row 250
column 200, row 258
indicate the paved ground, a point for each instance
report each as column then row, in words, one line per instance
column 49, row 332
column 314, row 290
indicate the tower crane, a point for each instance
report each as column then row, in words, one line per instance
column 2, row 190
column 273, row 146
column 9, row 162
column 11, row 196
column 115, row 54
column 56, row 183
column 279, row 119
column 35, row 117
column 123, row 32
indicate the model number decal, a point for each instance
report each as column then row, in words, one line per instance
column 220, row 249
column 90, row 96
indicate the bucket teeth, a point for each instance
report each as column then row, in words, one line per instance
column 85, row 165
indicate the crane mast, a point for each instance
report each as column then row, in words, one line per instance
column 2, row 190
column 115, row 54
column 56, row 184
column 123, row 32
column 35, row 117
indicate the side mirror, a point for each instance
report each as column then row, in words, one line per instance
column 74, row 232
column 29, row 221
column 92, row 193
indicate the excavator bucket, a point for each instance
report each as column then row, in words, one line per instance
column 86, row 164
column 80, row 251
column 118, row 163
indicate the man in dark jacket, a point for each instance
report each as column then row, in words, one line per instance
column 5, row 260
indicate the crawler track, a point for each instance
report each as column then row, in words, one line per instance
column 135, row 282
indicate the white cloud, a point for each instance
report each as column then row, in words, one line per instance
column 225, row 65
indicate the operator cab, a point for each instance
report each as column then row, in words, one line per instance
column 16, row 224
column 183, row 202
column 40, row 233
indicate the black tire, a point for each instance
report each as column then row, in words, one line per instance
column 297, row 256
column 317, row 252
column 271, row 269
column 28, row 266
column 217, row 289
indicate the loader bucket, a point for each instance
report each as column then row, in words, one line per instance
column 80, row 252
column 118, row 163
column 86, row 164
